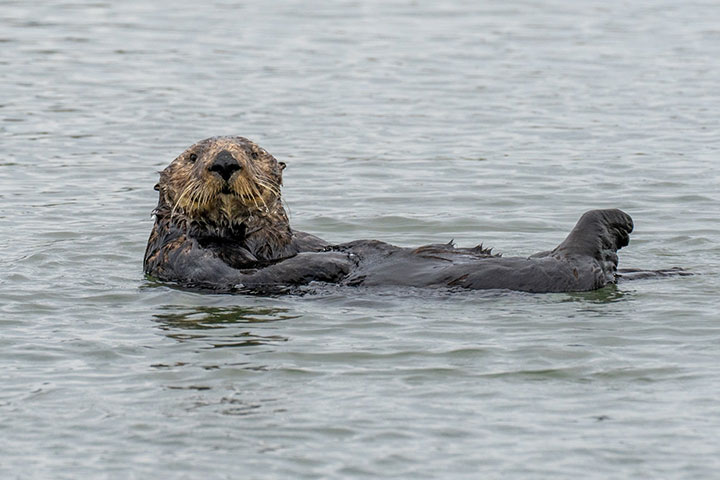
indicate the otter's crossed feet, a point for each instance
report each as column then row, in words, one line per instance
column 598, row 234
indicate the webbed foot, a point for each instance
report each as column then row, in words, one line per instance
column 598, row 234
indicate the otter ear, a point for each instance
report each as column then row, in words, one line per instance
column 156, row 187
column 282, row 165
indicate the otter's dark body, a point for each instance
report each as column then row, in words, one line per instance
column 187, row 253
column 220, row 224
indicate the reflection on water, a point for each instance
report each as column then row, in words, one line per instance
column 220, row 325
column 608, row 294
column 215, row 317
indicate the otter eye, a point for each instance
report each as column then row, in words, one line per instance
column 192, row 157
column 254, row 154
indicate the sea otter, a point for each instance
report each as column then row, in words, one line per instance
column 220, row 223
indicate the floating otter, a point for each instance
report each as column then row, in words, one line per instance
column 220, row 224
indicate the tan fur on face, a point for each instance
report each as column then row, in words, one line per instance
column 192, row 189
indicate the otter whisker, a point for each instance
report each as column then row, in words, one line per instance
column 273, row 189
column 267, row 180
column 269, row 185
column 198, row 193
column 187, row 190
column 247, row 194
column 254, row 199
column 259, row 195
column 201, row 196
column 198, row 198
column 258, row 185
column 245, row 191
column 205, row 197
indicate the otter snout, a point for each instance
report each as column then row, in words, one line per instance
column 225, row 165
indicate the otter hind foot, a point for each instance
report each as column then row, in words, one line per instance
column 598, row 234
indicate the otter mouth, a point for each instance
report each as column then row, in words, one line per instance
column 245, row 197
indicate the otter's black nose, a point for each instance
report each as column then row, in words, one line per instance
column 225, row 164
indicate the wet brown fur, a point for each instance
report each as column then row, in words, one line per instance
column 220, row 223
column 242, row 221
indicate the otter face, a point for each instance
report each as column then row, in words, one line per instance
column 222, row 180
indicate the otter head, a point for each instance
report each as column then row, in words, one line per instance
column 222, row 181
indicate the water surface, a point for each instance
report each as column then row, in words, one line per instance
column 409, row 122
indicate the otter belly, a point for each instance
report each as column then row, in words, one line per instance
column 406, row 268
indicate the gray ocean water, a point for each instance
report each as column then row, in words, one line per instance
column 405, row 121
